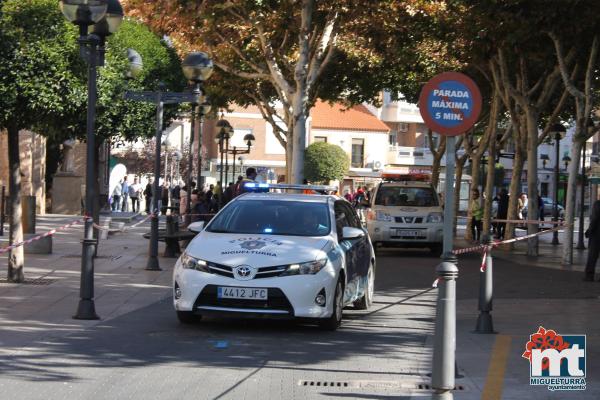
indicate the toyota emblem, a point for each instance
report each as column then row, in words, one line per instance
column 244, row 272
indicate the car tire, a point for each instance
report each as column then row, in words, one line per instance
column 366, row 300
column 436, row 250
column 334, row 322
column 188, row 317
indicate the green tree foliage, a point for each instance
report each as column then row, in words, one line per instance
column 324, row 162
column 43, row 78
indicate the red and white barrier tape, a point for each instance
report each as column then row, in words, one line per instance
column 487, row 248
column 60, row 228
column 43, row 235
column 527, row 221
column 102, row 228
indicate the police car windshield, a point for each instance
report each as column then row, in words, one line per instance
column 275, row 217
column 398, row 196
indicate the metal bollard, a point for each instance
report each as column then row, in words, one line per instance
column 486, row 293
column 444, row 347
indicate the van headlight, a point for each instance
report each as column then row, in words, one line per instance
column 435, row 218
column 189, row 262
column 307, row 268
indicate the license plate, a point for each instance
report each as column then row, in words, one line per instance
column 402, row 232
column 226, row 292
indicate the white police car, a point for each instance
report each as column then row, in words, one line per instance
column 277, row 255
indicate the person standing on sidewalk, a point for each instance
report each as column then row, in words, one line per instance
column 116, row 196
column 502, row 212
column 593, row 235
column 148, row 195
column 125, row 191
column 477, row 214
column 134, row 193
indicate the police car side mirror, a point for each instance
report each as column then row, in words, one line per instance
column 196, row 227
column 350, row 233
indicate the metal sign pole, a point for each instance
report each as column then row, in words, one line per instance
column 449, row 195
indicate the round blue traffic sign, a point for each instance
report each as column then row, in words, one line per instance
column 450, row 103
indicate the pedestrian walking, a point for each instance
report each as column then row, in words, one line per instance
column 134, row 194
column 476, row 216
column 148, row 196
column 593, row 235
column 164, row 197
column 116, row 195
column 125, row 191
column 502, row 212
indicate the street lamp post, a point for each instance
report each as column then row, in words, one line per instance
column 558, row 130
column 160, row 98
column 203, row 109
column 197, row 67
column 224, row 132
column 106, row 16
column 249, row 138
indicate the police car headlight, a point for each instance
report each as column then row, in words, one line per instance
column 383, row 216
column 435, row 218
column 189, row 262
column 307, row 268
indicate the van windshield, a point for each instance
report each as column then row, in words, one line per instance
column 398, row 196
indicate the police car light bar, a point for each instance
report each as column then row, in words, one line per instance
column 265, row 187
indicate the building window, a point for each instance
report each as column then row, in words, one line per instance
column 358, row 153
column 320, row 139
column 403, row 127
column 393, row 138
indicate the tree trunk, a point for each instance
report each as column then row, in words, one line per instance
column 289, row 156
column 532, row 180
column 489, row 188
column 299, row 135
column 513, row 190
column 437, row 161
column 15, row 256
column 567, row 256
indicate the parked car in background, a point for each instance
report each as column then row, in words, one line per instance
column 549, row 209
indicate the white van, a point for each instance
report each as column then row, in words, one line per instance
column 406, row 212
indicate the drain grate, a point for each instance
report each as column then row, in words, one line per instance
column 325, row 383
column 425, row 386
column 371, row 384
column 28, row 281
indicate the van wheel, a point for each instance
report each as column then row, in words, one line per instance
column 334, row 322
column 436, row 250
column 366, row 300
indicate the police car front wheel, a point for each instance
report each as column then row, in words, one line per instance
column 333, row 322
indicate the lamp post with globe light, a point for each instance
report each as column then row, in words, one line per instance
column 105, row 17
column 197, row 67
column 249, row 139
column 203, row 109
column 160, row 98
column 224, row 133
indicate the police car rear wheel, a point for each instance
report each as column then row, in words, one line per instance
column 188, row 317
column 333, row 322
